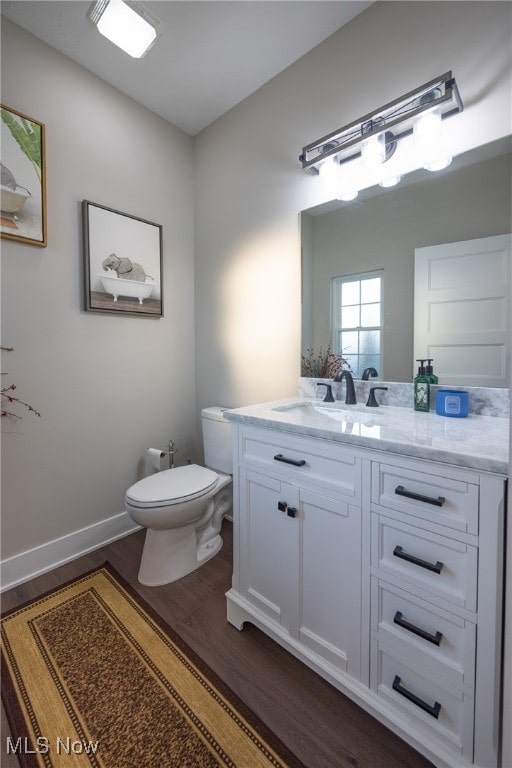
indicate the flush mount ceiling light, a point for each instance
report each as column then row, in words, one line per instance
column 129, row 25
column 374, row 138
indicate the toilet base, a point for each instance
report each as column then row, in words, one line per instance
column 169, row 555
column 209, row 549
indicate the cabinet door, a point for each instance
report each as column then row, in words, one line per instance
column 268, row 544
column 329, row 613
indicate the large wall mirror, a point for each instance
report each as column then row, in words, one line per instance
column 380, row 232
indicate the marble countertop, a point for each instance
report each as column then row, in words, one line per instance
column 476, row 442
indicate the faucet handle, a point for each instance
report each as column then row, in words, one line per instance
column 328, row 395
column 372, row 402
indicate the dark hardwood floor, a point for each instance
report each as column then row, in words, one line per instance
column 320, row 725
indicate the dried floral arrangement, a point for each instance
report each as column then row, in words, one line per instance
column 10, row 399
column 325, row 364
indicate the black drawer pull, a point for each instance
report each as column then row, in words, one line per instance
column 436, row 567
column 291, row 511
column 434, row 639
column 400, row 491
column 295, row 462
column 431, row 709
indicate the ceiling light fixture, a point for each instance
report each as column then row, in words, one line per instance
column 129, row 25
column 375, row 137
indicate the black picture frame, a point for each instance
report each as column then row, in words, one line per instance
column 123, row 266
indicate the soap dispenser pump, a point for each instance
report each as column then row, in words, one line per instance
column 429, row 370
column 421, row 388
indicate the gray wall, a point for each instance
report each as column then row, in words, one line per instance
column 108, row 387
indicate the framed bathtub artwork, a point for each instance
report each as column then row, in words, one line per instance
column 122, row 262
column 23, row 178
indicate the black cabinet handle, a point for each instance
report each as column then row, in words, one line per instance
column 434, row 639
column 401, row 491
column 436, row 567
column 283, row 507
column 285, row 460
column 431, row 709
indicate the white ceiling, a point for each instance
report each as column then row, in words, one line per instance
column 212, row 54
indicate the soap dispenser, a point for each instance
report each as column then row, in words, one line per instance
column 421, row 389
column 429, row 370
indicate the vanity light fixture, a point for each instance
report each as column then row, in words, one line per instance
column 129, row 25
column 375, row 137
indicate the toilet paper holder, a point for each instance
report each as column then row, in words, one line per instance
column 171, row 450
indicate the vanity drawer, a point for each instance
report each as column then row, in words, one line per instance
column 304, row 461
column 434, row 565
column 426, row 701
column 442, row 500
column 436, row 636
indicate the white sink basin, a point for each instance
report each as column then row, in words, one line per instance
column 337, row 412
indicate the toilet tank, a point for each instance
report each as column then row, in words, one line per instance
column 218, row 452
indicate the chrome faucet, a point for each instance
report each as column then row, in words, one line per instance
column 350, row 392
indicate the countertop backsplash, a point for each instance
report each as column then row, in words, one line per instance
column 483, row 401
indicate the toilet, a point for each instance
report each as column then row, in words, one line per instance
column 182, row 508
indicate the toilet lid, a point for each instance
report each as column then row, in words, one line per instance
column 171, row 486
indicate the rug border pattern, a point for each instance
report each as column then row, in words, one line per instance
column 228, row 699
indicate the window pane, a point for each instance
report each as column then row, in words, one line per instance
column 370, row 315
column 370, row 290
column 370, row 342
column 349, row 343
column 353, row 361
column 350, row 293
column 350, row 317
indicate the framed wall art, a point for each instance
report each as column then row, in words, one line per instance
column 23, row 178
column 122, row 262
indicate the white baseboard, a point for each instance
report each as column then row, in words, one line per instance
column 34, row 562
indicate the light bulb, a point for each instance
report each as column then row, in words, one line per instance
column 330, row 175
column 391, row 181
column 329, row 169
column 438, row 164
column 429, row 143
column 373, row 150
column 348, row 194
column 427, row 129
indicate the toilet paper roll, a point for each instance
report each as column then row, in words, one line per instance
column 156, row 458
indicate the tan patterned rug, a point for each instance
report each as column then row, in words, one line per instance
column 93, row 677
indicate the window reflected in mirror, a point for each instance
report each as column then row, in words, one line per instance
column 357, row 320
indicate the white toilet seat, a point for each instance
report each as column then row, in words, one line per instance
column 172, row 486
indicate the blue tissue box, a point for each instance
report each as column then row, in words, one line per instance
column 452, row 402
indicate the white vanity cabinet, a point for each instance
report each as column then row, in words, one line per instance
column 433, row 656
column 298, row 552
column 381, row 572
